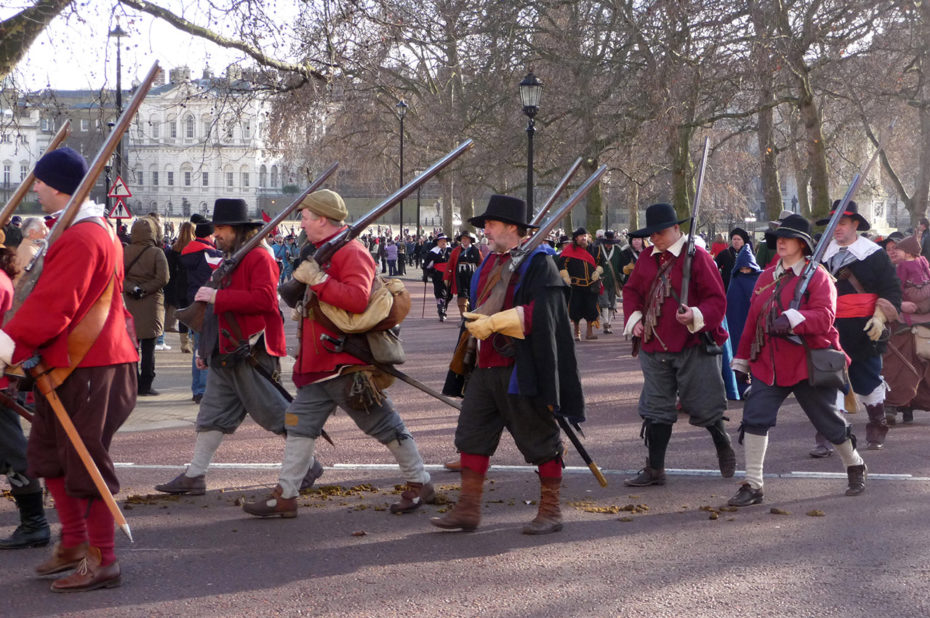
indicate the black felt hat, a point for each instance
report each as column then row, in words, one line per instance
column 794, row 226
column 852, row 211
column 738, row 231
column 579, row 232
column 658, row 217
column 228, row 211
column 503, row 208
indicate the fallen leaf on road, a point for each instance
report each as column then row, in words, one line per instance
column 816, row 513
column 777, row 511
column 359, row 533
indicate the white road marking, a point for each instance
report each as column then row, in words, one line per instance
column 532, row 469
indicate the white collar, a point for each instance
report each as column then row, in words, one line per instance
column 861, row 249
column 797, row 268
column 676, row 247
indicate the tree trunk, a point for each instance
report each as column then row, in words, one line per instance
column 594, row 200
column 634, row 208
column 682, row 170
column 816, row 152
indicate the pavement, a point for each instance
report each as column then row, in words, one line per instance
column 658, row 551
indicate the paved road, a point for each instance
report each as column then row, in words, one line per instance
column 668, row 551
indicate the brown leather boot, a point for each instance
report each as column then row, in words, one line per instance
column 90, row 575
column 549, row 517
column 589, row 334
column 454, row 465
column 877, row 427
column 466, row 515
column 414, row 496
column 62, row 559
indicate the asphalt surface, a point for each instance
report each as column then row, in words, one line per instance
column 657, row 551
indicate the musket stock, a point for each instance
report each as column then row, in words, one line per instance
column 193, row 315
column 63, row 132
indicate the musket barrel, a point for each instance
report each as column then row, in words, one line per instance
column 558, row 191
column 63, row 132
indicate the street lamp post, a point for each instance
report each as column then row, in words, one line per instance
column 118, row 33
column 417, row 173
column 401, row 112
column 530, row 90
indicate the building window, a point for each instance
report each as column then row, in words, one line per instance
column 155, row 130
column 140, row 179
column 170, row 178
column 187, row 179
column 189, row 127
column 206, row 128
column 246, row 130
column 229, row 180
column 274, row 176
column 46, row 125
column 7, row 173
column 206, row 179
column 85, row 124
column 245, row 180
column 154, row 179
column 263, row 176
column 23, row 172
column 172, row 128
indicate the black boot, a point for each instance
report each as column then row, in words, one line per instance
column 877, row 427
column 726, row 458
column 33, row 529
column 656, row 436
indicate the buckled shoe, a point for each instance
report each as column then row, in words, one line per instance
column 413, row 497
column 746, row 496
column 273, row 506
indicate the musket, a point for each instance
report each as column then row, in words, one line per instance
column 689, row 252
column 292, row 291
column 563, row 423
column 63, row 132
column 527, row 246
column 33, row 271
column 558, row 191
column 14, row 405
column 811, row 267
column 193, row 314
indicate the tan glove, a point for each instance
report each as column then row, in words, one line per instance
column 309, row 272
column 597, row 273
column 629, row 268
column 565, row 276
column 876, row 324
column 509, row 322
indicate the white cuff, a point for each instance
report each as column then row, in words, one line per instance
column 794, row 317
column 631, row 322
column 698, row 322
column 740, row 364
column 7, row 345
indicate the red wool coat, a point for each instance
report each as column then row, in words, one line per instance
column 704, row 292
column 78, row 268
column 780, row 361
column 252, row 295
column 351, row 273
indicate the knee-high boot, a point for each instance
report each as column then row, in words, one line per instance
column 877, row 427
column 466, row 515
column 726, row 458
column 656, row 436
column 33, row 530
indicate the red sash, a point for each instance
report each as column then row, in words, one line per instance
column 856, row 305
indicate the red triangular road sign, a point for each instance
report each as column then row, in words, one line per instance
column 119, row 189
column 120, row 210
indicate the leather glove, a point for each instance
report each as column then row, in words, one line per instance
column 509, row 322
column 876, row 324
column 309, row 272
column 629, row 268
column 781, row 326
column 565, row 276
column 741, row 376
column 597, row 273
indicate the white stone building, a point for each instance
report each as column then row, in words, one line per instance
column 194, row 141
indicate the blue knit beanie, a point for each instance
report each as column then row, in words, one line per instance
column 62, row 169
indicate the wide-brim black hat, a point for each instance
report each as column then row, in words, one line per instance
column 852, row 211
column 658, row 217
column 503, row 208
column 794, row 226
column 228, row 211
